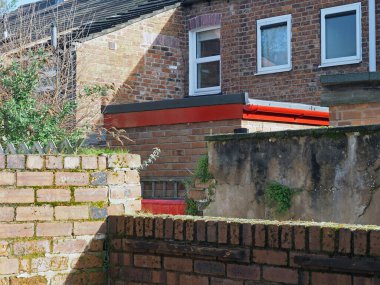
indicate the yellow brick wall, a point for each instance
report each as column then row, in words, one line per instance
column 143, row 60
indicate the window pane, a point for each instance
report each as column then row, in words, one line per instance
column 274, row 45
column 208, row 43
column 208, row 74
column 341, row 35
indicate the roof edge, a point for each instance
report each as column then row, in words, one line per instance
column 188, row 102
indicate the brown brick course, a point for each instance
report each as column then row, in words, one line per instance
column 178, row 264
column 202, row 260
column 147, row 261
column 355, row 114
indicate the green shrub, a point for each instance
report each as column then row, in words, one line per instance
column 23, row 117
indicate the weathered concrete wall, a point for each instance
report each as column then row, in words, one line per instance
column 53, row 212
column 337, row 171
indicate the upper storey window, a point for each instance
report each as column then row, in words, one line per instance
column 341, row 35
column 274, row 44
column 204, row 61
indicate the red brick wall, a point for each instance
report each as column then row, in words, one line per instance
column 181, row 145
column 238, row 47
column 150, row 61
column 52, row 215
column 157, row 250
column 355, row 114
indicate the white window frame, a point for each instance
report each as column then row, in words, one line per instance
column 348, row 59
column 194, row 61
column 267, row 22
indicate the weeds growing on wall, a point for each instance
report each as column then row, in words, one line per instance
column 191, row 207
column 201, row 174
column 279, row 196
column 201, row 171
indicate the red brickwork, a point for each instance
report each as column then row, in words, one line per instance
column 239, row 40
column 52, row 216
column 147, row 60
column 181, row 145
column 239, row 253
column 355, row 114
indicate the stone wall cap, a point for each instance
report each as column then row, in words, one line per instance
column 323, row 131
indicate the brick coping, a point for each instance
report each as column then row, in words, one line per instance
column 261, row 222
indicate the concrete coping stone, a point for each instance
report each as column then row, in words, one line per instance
column 319, row 132
column 350, row 78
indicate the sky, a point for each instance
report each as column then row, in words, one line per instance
column 22, row 2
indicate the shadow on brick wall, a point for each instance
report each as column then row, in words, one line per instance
column 89, row 267
column 159, row 72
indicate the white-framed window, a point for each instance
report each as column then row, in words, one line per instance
column 341, row 35
column 204, row 61
column 274, row 44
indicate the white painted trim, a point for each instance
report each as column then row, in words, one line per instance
column 297, row 106
column 274, row 71
column 270, row 21
column 372, row 34
column 193, row 61
column 342, row 60
column 207, row 59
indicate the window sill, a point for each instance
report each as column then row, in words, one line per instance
column 273, row 71
column 205, row 93
column 338, row 63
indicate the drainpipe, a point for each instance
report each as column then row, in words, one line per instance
column 372, row 34
column 53, row 35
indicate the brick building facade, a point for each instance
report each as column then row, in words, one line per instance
column 149, row 59
column 277, row 51
column 161, row 62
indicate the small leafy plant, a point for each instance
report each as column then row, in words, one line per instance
column 279, row 196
